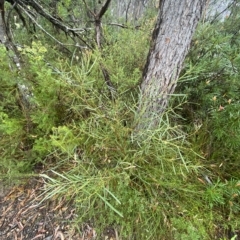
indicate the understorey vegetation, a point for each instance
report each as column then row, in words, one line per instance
column 60, row 119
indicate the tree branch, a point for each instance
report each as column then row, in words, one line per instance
column 69, row 31
column 103, row 9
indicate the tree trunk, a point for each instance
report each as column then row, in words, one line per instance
column 219, row 9
column 176, row 23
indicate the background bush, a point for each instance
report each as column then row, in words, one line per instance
column 180, row 182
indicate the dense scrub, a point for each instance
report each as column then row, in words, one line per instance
column 180, row 182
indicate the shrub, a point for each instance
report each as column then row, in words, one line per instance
column 210, row 82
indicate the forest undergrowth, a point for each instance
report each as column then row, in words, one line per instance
column 180, row 181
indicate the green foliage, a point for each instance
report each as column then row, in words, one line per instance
column 125, row 56
column 12, row 125
column 62, row 118
column 211, row 115
column 115, row 181
column 185, row 230
column 210, row 82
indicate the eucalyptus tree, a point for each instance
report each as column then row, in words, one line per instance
column 220, row 9
column 130, row 11
column 174, row 29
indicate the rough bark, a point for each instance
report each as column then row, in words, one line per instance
column 5, row 39
column 3, row 27
column 174, row 29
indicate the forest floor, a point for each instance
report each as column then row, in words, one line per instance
column 25, row 215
